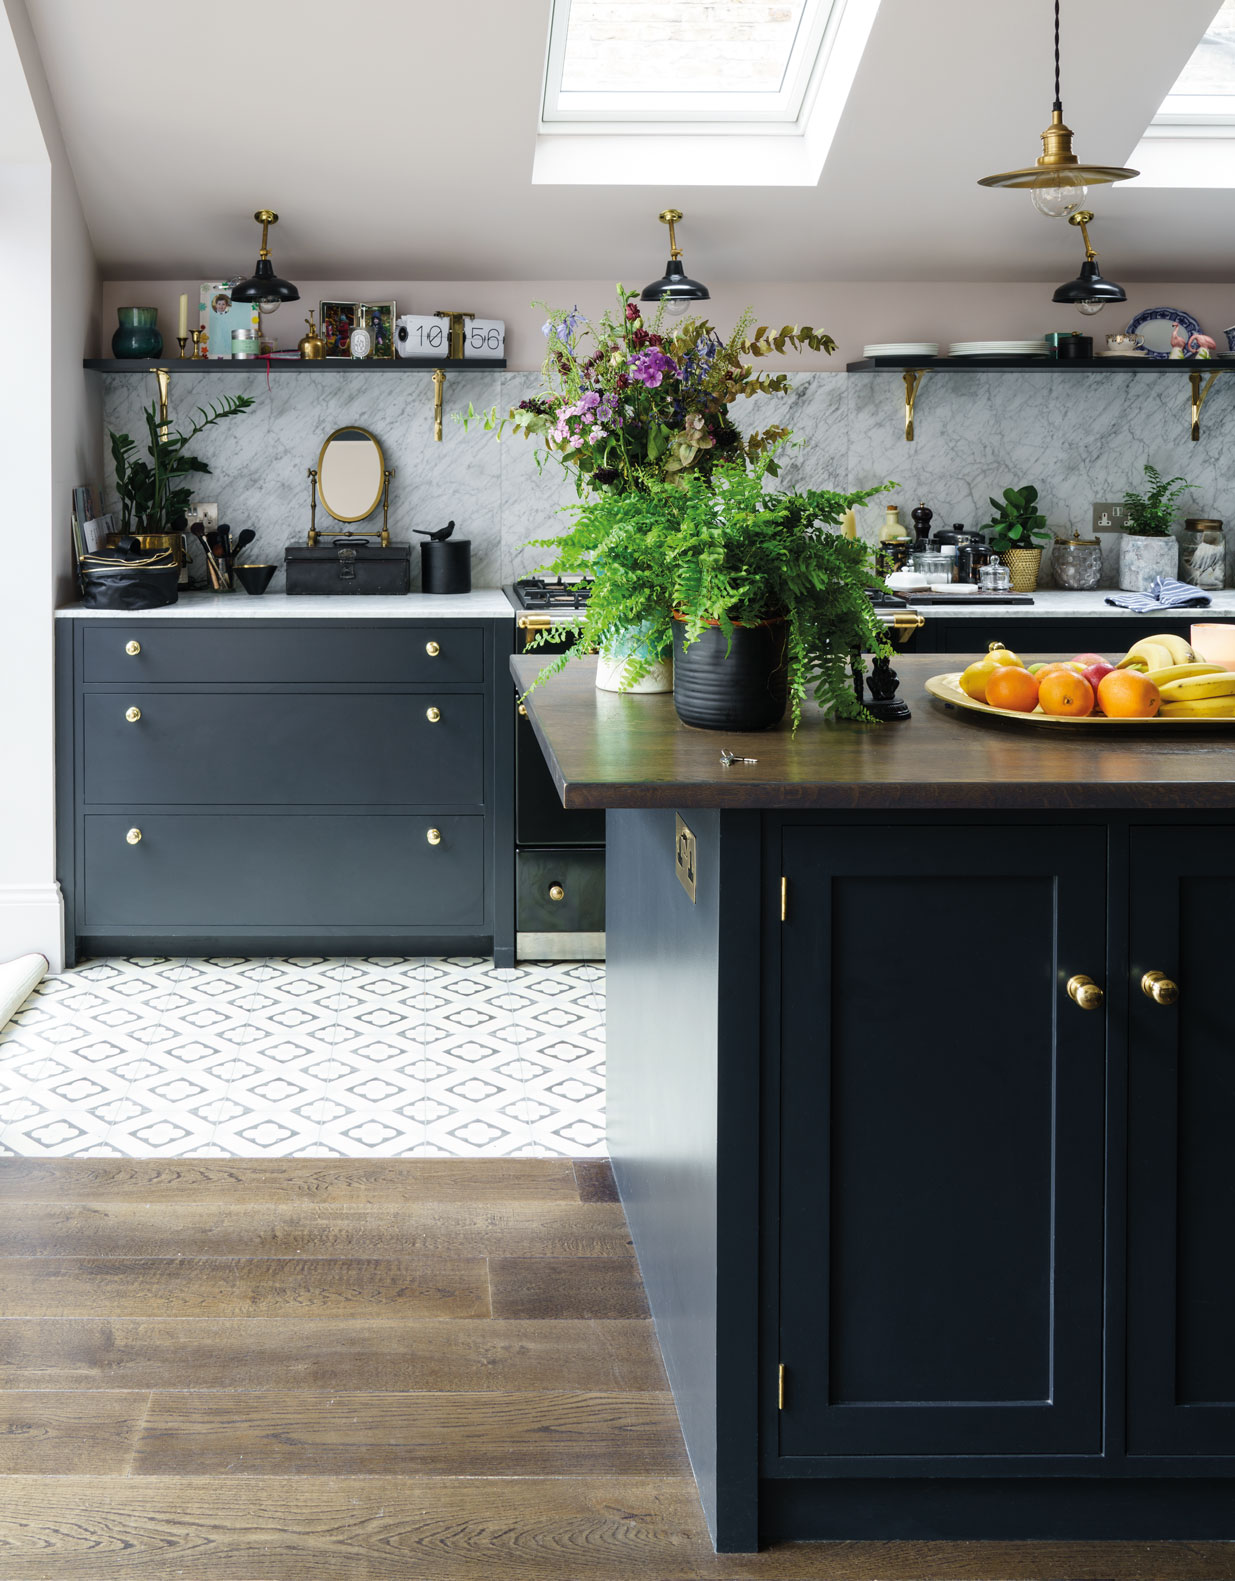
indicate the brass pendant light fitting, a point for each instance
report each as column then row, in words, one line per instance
column 1058, row 182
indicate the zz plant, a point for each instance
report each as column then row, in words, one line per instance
column 154, row 498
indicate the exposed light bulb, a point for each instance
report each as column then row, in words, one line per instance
column 1060, row 199
column 269, row 305
column 676, row 307
column 1090, row 308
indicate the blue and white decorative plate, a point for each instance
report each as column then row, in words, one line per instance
column 1159, row 347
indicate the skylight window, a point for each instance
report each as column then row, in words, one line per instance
column 1204, row 92
column 628, row 82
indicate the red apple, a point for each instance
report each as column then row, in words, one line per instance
column 1086, row 659
column 1093, row 673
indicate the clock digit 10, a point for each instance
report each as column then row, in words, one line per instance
column 422, row 335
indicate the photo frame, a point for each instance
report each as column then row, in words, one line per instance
column 335, row 320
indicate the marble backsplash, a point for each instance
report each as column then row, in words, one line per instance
column 1080, row 437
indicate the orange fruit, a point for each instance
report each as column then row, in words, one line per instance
column 1063, row 692
column 1127, row 694
column 1010, row 687
column 1069, row 665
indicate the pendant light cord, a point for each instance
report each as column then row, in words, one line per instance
column 1058, row 105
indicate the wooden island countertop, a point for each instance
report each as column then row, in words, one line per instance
column 608, row 750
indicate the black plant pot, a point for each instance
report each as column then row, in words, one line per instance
column 742, row 689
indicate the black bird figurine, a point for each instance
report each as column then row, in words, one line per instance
column 440, row 536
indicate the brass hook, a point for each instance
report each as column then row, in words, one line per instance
column 913, row 379
column 1199, row 397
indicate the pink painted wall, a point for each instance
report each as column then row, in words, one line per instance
column 852, row 312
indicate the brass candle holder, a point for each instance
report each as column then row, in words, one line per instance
column 182, row 341
column 198, row 354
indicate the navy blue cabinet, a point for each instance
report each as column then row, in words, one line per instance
column 943, row 1128
column 317, row 786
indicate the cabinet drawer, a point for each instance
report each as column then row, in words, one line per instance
column 218, row 872
column 283, row 654
column 255, row 749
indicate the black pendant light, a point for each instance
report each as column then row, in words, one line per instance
column 263, row 285
column 1089, row 291
column 1059, row 182
column 675, row 288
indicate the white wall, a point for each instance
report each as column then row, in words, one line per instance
column 50, row 439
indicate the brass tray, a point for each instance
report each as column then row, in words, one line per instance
column 948, row 690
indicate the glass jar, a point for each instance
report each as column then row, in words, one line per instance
column 1076, row 562
column 935, row 568
column 1202, row 553
column 995, row 578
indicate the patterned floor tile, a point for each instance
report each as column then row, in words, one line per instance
column 307, row 1057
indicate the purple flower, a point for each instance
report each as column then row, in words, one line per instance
column 651, row 366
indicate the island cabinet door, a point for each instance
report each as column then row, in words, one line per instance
column 943, row 1141
column 1181, row 1144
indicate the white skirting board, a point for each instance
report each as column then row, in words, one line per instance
column 18, row 980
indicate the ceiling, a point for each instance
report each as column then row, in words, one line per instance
column 396, row 142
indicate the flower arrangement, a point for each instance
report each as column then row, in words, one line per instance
column 631, row 401
column 718, row 548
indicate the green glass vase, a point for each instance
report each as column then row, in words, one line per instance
column 137, row 335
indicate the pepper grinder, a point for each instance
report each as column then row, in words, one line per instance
column 921, row 517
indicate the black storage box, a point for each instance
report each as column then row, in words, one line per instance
column 348, row 565
column 446, row 567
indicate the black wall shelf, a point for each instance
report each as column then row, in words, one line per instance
column 1039, row 364
column 291, row 365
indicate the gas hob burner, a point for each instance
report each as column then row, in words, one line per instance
column 535, row 592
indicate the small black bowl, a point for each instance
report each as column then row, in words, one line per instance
column 254, row 578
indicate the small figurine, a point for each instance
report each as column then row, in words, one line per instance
column 883, row 682
column 1200, row 346
column 440, row 536
column 1179, row 344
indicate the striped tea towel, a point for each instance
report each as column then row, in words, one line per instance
column 1167, row 592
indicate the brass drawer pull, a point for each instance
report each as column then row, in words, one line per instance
column 433, row 715
column 434, row 837
column 556, row 892
column 132, row 715
column 432, row 649
column 132, row 649
column 1159, row 987
column 134, row 836
column 535, row 622
column 1085, row 992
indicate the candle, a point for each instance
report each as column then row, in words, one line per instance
column 183, row 331
column 1215, row 644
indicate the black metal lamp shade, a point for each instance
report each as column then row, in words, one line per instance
column 263, row 285
column 1089, row 286
column 675, row 286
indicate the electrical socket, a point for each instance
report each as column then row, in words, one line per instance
column 207, row 515
column 1108, row 516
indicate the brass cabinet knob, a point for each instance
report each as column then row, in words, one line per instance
column 1085, row 992
column 132, row 715
column 433, row 715
column 522, row 711
column 556, row 892
column 434, row 837
column 132, row 649
column 134, row 836
column 432, row 649
column 1159, row 987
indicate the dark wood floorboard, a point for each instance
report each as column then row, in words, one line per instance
column 313, row 1229
column 596, row 1182
column 279, row 1352
column 406, row 1371
column 549, row 1287
column 524, row 1434
column 233, row 1286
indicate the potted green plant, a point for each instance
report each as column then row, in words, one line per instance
column 1148, row 548
column 758, row 601
column 632, row 403
column 1016, row 525
column 154, row 498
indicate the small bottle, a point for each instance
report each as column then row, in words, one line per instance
column 892, row 531
column 849, row 526
column 360, row 342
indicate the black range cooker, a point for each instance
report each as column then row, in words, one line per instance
column 560, row 855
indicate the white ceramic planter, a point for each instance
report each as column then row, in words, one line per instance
column 1141, row 560
column 612, row 662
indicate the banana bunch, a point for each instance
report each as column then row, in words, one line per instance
column 1162, row 652
column 1199, row 696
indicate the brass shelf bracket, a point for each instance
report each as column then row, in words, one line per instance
column 913, row 381
column 1199, row 397
column 439, row 384
column 164, row 378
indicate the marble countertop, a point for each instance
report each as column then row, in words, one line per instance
column 484, row 603
column 1058, row 603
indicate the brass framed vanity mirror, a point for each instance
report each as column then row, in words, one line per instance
column 351, row 479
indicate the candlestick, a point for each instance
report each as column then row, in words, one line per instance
column 182, row 341
column 182, row 332
column 198, row 354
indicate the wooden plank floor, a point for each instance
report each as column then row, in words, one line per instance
column 343, row 1371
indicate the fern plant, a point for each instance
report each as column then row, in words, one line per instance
column 722, row 550
column 1151, row 515
column 153, row 497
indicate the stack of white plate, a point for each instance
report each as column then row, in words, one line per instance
column 998, row 348
column 902, row 348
